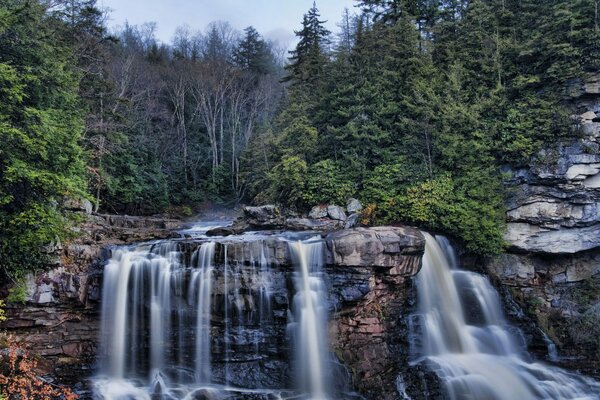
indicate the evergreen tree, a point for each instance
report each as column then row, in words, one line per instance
column 308, row 60
column 253, row 54
column 41, row 161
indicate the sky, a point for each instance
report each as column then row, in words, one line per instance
column 275, row 19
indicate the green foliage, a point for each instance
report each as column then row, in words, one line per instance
column 288, row 181
column 326, row 184
column 2, row 312
column 18, row 292
column 423, row 102
column 41, row 161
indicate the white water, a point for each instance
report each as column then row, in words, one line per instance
column 159, row 307
column 470, row 346
column 309, row 321
column 142, row 288
column 201, row 292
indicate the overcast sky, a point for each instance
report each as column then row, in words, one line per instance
column 275, row 19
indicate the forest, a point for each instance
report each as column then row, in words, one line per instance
column 415, row 107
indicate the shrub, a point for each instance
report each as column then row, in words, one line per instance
column 18, row 380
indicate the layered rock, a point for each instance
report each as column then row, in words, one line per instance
column 367, row 272
column 59, row 319
column 553, row 232
column 554, row 205
column 369, row 332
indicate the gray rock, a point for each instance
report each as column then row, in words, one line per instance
column 538, row 239
column 377, row 247
column 307, row 224
column 336, row 212
column 353, row 206
column 318, row 212
column 513, row 269
column 264, row 217
column 352, row 221
column 79, row 204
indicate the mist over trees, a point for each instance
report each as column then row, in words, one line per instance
column 413, row 106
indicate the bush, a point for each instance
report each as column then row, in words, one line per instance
column 18, row 380
column 288, row 181
column 325, row 184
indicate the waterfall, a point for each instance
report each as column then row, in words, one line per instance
column 468, row 343
column 143, row 300
column 201, row 291
column 309, row 321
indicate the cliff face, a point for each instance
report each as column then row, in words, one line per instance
column 368, row 280
column 59, row 319
column 553, row 232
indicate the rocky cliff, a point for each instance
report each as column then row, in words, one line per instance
column 368, row 272
column 59, row 318
column 553, row 233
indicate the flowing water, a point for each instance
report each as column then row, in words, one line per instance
column 468, row 343
column 309, row 322
column 204, row 319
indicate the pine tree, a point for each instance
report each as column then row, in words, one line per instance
column 41, row 161
column 308, row 60
column 253, row 54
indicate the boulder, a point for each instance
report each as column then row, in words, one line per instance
column 264, row 217
column 238, row 227
column 353, row 206
column 399, row 248
column 79, row 204
column 307, row 224
column 318, row 212
column 352, row 221
column 336, row 212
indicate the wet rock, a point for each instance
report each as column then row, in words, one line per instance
column 238, row 227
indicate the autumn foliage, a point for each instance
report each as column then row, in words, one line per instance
column 18, row 381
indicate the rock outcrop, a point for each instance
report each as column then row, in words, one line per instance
column 59, row 319
column 367, row 269
column 553, row 233
column 324, row 217
column 554, row 205
column 369, row 332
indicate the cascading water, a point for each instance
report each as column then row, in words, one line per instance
column 470, row 346
column 309, row 322
column 191, row 319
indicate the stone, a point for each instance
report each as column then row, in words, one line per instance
column 353, row 206
column 513, row 269
column 264, row 217
column 319, row 211
column 306, row 224
column 582, row 171
column 336, row 212
column 352, row 221
column 588, row 115
column 377, row 247
column 79, row 204
column 535, row 239
column 238, row 227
